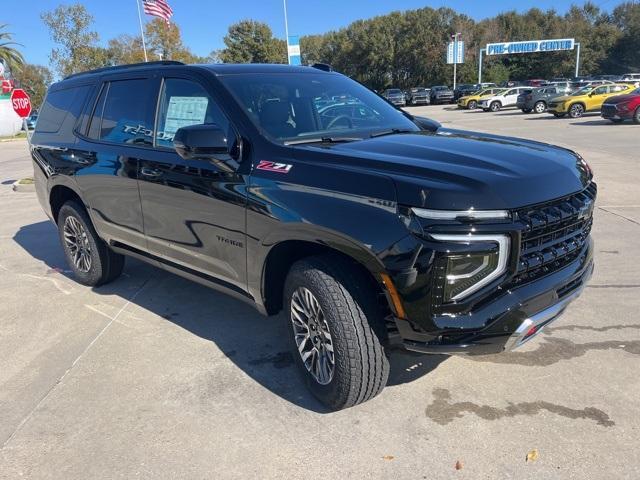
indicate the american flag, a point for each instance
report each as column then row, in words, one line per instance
column 158, row 8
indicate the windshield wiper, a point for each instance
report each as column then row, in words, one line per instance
column 323, row 140
column 391, row 131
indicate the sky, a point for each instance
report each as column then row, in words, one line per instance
column 204, row 23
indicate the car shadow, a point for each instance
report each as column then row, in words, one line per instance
column 255, row 344
column 603, row 121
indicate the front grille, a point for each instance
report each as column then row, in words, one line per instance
column 554, row 234
column 609, row 110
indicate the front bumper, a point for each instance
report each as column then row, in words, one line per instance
column 511, row 319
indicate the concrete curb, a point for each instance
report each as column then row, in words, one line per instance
column 2, row 140
column 23, row 187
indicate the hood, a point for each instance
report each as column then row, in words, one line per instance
column 621, row 98
column 459, row 170
column 565, row 98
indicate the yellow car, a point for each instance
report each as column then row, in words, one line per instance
column 471, row 101
column 587, row 99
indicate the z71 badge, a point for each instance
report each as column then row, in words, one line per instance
column 274, row 166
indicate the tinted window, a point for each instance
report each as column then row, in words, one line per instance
column 61, row 106
column 184, row 103
column 128, row 113
column 601, row 90
column 94, row 127
column 303, row 107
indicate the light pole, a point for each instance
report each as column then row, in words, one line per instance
column 286, row 29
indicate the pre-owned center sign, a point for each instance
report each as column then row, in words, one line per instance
column 530, row 46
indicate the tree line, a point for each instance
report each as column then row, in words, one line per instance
column 401, row 49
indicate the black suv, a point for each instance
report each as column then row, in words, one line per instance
column 369, row 227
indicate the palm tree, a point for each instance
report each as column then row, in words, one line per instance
column 11, row 57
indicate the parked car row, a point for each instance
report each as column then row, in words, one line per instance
column 616, row 101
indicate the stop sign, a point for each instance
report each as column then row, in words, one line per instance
column 21, row 102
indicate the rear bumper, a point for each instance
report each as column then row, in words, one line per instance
column 511, row 320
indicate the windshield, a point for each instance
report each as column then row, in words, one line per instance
column 582, row 91
column 294, row 108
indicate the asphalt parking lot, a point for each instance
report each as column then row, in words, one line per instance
column 156, row 377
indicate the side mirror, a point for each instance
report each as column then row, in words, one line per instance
column 204, row 142
column 201, row 142
column 426, row 123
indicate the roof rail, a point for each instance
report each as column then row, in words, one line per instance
column 119, row 67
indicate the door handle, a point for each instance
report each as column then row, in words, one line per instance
column 150, row 172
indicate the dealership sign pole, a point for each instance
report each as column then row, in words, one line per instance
column 455, row 54
column 21, row 104
column 530, row 46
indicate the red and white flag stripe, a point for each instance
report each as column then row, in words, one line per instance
column 158, row 8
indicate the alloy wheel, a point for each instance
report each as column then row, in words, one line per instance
column 77, row 242
column 312, row 336
column 472, row 105
column 576, row 111
column 540, row 107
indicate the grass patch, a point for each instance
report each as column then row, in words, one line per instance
column 17, row 135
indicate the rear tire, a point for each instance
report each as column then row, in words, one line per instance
column 345, row 326
column 472, row 105
column 540, row 107
column 495, row 106
column 576, row 110
column 93, row 263
column 526, row 110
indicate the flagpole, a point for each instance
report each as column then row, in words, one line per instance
column 144, row 46
column 286, row 28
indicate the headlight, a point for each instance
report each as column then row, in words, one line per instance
column 468, row 272
column 470, row 214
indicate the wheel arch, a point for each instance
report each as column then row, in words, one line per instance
column 283, row 254
column 59, row 195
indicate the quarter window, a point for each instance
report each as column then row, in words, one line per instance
column 183, row 103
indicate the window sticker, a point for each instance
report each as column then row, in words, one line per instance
column 182, row 112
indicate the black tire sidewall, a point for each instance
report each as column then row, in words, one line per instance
column 325, row 393
column 636, row 116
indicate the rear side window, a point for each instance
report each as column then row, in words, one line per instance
column 61, row 108
column 124, row 113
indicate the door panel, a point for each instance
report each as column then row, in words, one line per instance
column 194, row 213
column 116, row 138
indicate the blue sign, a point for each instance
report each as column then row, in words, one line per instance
column 531, row 46
column 293, row 46
column 455, row 55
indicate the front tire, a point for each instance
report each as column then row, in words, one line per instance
column 93, row 263
column 472, row 105
column 495, row 106
column 576, row 110
column 335, row 330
